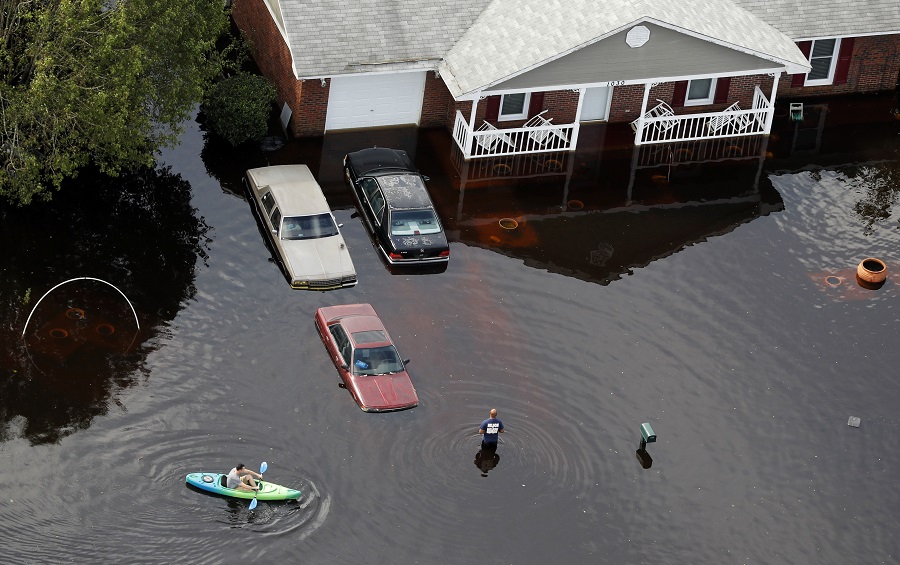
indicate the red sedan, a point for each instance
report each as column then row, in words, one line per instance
column 365, row 357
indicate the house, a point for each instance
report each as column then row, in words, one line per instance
column 513, row 77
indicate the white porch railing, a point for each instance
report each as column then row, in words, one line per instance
column 512, row 141
column 711, row 125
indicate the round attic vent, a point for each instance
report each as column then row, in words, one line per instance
column 637, row 36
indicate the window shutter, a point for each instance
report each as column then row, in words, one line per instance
column 679, row 94
column 722, row 85
column 799, row 79
column 536, row 104
column 493, row 109
column 843, row 63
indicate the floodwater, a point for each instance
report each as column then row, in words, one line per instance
column 707, row 290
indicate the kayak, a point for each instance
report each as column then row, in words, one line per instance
column 215, row 482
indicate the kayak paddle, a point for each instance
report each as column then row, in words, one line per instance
column 262, row 469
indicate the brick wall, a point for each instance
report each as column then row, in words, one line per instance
column 436, row 103
column 874, row 67
column 273, row 58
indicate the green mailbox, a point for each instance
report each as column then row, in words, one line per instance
column 647, row 433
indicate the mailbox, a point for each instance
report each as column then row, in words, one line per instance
column 647, row 433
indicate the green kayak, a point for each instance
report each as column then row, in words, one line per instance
column 215, row 482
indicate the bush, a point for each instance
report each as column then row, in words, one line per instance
column 238, row 108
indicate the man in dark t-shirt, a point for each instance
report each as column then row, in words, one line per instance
column 491, row 430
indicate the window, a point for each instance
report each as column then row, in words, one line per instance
column 341, row 341
column 514, row 106
column 700, row 91
column 276, row 218
column 268, row 202
column 822, row 58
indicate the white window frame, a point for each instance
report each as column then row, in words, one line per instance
column 834, row 57
column 701, row 101
column 501, row 117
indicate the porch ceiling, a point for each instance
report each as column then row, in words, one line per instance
column 512, row 37
column 667, row 55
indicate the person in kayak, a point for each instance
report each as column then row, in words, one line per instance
column 490, row 430
column 241, row 478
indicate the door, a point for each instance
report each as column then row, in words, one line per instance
column 596, row 104
column 375, row 100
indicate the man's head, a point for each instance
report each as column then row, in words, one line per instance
column 240, row 467
column 493, row 412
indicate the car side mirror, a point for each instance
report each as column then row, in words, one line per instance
column 354, row 215
column 340, row 225
column 345, row 367
column 426, row 178
column 406, row 362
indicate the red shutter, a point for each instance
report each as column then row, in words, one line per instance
column 722, row 85
column 493, row 109
column 536, row 104
column 679, row 94
column 799, row 79
column 843, row 63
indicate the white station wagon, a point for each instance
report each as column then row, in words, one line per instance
column 301, row 229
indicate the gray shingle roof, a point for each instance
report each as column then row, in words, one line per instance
column 331, row 37
column 484, row 41
column 804, row 19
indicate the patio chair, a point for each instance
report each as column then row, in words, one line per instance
column 543, row 136
column 489, row 142
column 736, row 122
column 660, row 110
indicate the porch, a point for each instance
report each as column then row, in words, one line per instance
column 658, row 124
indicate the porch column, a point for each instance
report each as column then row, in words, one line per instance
column 639, row 134
column 471, row 126
column 575, row 128
column 771, row 113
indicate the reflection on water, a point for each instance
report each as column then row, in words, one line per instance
column 82, row 342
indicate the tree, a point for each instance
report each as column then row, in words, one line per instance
column 103, row 82
column 238, row 107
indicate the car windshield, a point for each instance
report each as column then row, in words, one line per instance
column 414, row 222
column 308, row 227
column 376, row 360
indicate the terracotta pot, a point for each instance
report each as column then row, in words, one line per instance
column 872, row 270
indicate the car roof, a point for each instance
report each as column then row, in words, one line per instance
column 405, row 191
column 294, row 188
column 374, row 161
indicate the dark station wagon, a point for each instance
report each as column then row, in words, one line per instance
column 396, row 207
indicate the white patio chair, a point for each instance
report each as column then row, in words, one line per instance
column 490, row 141
column 542, row 136
column 660, row 110
column 736, row 123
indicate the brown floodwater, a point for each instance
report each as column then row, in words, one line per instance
column 706, row 289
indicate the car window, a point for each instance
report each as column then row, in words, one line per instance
column 268, row 201
column 342, row 341
column 276, row 218
column 308, row 227
column 414, row 222
column 369, row 186
column 378, row 207
column 376, row 360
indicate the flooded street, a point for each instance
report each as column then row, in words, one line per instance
column 708, row 291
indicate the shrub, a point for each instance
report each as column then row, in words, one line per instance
column 238, row 107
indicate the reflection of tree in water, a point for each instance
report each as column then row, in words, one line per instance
column 140, row 233
column 879, row 184
column 227, row 164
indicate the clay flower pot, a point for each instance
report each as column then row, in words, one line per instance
column 872, row 271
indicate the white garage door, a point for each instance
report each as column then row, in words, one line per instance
column 366, row 101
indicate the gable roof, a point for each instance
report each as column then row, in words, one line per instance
column 802, row 19
column 514, row 36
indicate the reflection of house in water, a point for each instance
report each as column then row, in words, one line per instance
column 600, row 213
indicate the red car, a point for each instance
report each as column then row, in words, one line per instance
column 365, row 357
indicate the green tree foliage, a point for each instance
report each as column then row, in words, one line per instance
column 238, row 107
column 104, row 82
